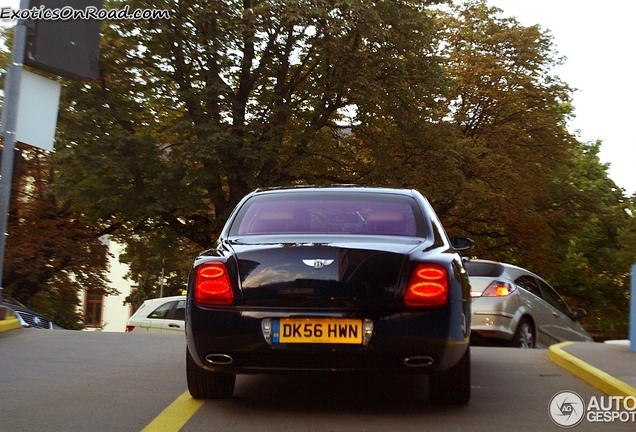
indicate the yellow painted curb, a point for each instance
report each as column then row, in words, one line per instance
column 10, row 323
column 596, row 377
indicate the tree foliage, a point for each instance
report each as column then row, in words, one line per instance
column 159, row 264
column 594, row 240
column 191, row 113
column 509, row 116
column 526, row 189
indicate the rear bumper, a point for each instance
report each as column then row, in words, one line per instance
column 228, row 340
column 496, row 325
column 494, row 318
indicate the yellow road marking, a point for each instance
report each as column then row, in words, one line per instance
column 175, row 415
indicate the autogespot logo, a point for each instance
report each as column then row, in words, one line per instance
column 567, row 409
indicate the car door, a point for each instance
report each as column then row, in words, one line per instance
column 561, row 326
column 175, row 321
column 542, row 311
column 155, row 321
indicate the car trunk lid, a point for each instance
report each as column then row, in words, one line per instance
column 321, row 275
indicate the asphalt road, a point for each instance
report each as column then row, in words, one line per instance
column 82, row 381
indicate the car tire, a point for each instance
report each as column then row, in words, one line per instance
column 451, row 387
column 204, row 384
column 524, row 336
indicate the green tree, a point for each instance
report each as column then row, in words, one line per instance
column 594, row 240
column 193, row 112
column 153, row 257
column 509, row 116
column 525, row 188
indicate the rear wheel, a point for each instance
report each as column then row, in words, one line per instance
column 524, row 336
column 451, row 387
column 204, row 384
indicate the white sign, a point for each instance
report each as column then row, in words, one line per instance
column 37, row 110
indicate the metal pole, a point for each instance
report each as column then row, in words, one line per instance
column 163, row 269
column 632, row 311
column 9, row 124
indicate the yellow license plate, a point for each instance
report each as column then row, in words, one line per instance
column 317, row 330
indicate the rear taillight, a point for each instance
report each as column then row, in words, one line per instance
column 498, row 289
column 129, row 328
column 212, row 285
column 428, row 286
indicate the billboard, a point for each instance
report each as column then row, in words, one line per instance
column 65, row 47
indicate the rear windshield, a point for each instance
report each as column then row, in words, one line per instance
column 484, row 269
column 329, row 213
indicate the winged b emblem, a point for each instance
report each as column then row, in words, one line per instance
column 317, row 263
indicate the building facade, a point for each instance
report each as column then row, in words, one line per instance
column 109, row 313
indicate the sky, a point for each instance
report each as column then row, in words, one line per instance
column 598, row 39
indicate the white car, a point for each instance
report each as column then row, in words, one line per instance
column 159, row 315
column 514, row 307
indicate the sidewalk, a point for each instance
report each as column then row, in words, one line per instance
column 610, row 366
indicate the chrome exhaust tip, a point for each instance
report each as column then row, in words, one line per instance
column 418, row 361
column 219, row 359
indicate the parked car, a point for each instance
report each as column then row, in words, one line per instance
column 330, row 279
column 159, row 315
column 515, row 307
column 27, row 317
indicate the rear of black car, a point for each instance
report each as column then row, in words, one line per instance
column 337, row 279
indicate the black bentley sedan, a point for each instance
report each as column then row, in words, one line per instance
column 342, row 279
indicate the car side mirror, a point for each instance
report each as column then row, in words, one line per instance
column 460, row 243
column 578, row 314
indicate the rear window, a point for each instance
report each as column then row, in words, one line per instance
column 329, row 213
column 484, row 269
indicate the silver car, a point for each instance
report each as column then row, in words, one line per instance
column 514, row 307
